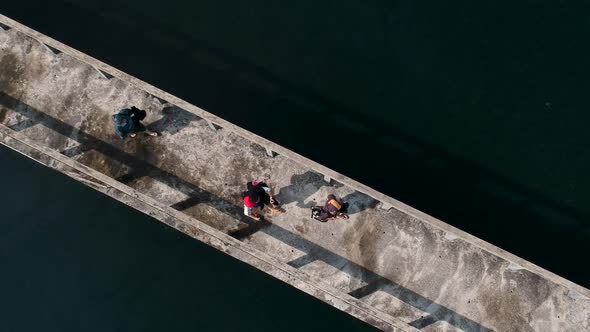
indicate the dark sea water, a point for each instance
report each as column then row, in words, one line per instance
column 474, row 112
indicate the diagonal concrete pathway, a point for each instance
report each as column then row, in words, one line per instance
column 396, row 267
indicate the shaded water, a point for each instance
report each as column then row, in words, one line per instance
column 472, row 112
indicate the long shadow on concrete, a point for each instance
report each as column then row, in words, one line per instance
column 138, row 166
column 174, row 120
column 312, row 251
column 374, row 282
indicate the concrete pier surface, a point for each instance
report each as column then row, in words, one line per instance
column 389, row 264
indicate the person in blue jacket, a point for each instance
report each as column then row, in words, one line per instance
column 128, row 122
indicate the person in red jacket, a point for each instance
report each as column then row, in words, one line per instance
column 258, row 195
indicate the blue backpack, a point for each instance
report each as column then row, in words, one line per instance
column 123, row 123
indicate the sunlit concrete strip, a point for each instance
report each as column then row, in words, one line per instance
column 402, row 267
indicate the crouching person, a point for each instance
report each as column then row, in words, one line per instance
column 128, row 122
column 332, row 210
column 258, row 195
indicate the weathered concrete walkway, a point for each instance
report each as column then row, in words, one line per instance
column 389, row 265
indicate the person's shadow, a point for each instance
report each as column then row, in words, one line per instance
column 174, row 120
column 356, row 202
column 305, row 185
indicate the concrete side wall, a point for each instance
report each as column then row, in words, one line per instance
column 394, row 267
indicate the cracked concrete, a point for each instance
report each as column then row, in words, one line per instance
column 399, row 265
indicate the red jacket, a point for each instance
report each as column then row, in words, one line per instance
column 249, row 204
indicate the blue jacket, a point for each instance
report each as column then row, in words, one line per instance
column 126, row 122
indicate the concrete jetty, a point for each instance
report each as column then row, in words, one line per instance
column 389, row 265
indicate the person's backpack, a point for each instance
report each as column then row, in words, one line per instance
column 122, row 122
column 122, row 119
column 333, row 205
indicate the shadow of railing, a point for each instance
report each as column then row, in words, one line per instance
column 196, row 195
column 374, row 282
column 139, row 167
